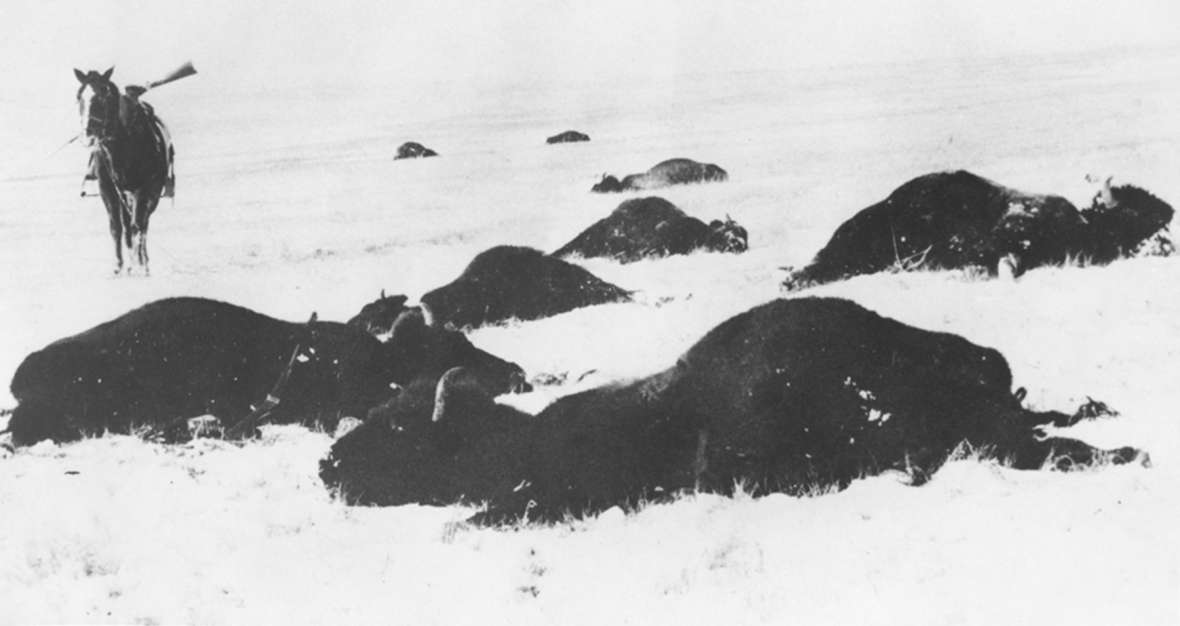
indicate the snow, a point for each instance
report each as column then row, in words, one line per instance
column 289, row 204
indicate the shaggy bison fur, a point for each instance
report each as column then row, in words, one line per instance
column 788, row 396
column 653, row 227
column 960, row 220
column 175, row 359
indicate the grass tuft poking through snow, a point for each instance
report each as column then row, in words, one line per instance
column 116, row 529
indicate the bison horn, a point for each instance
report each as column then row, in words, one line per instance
column 382, row 293
column 427, row 316
column 314, row 318
column 459, row 385
column 443, row 391
column 410, row 320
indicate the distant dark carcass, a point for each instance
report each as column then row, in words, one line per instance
column 569, row 136
column 413, row 150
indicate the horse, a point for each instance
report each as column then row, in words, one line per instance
column 131, row 157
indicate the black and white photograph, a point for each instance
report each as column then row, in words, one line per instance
column 428, row 312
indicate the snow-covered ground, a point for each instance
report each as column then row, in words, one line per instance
column 289, row 202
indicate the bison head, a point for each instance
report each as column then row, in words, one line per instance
column 418, row 350
column 377, row 317
column 714, row 172
column 1120, row 226
column 727, row 236
column 333, row 371
column 608, row 184
column 390, row 459
column 428, row 445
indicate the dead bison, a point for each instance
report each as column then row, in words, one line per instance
column 170, row 360
column 569, row 136
column 960, row 220
column 511, row 282
column 413, row 150
column 664, row 174
column 653, row 227
column 789, row 396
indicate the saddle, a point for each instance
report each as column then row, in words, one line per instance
column 131, row 109
column 164, row 139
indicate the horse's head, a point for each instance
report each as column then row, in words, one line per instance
column 98, row 104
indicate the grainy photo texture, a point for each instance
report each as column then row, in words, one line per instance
column 589, row 313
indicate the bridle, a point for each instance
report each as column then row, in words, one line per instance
column 103, row 122
column 103, row 119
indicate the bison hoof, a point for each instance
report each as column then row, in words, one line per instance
column 1126, row 455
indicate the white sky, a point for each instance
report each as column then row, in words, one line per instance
column 239, row 42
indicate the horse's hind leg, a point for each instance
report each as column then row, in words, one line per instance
column 116, row 224
column 128, row 227
column 143, row 255
column 125, row 214
column 145, row 205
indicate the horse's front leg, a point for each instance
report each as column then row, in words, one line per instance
column 113, row 202
column 116, row 224
column 144, row 205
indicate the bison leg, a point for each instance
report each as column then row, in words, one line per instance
column 34, row 421
column 514, row 509
column 701, row 463
column 1092, row 409
column 174, row 431
column 247, row 426
column 1068, row 454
